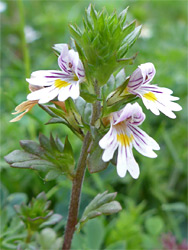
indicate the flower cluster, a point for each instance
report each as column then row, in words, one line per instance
column 124, row 133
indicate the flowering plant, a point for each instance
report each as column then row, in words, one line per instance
column 81, row 97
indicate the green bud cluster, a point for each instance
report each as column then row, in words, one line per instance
column 104, row 42
column 36, row 215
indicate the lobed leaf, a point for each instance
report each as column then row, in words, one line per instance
column 50, row 156
column 102, row 204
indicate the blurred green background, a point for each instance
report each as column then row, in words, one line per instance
column 153, row 205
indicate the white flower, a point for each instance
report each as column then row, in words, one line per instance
column 31, row 34
column 124, row 134
column 146, row 32
column 61, row 84
column 154, row 98
column 3, row 6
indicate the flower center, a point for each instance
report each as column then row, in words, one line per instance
column 70, row 65
column 150, row 96
column 124, row 139
column 75, row 78
column 61, row 84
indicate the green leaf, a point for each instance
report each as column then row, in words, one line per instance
column 121, row 245
column 50, row 156
column 88, row 97
column 120, row 78
column 84, row 109
column 54, row 219
column 132, row 37
column 58, row 112
column 68, row 154
column 92, row 236
column 31, row 147
column 45, row 143
column 75, row 33
column 68, row 148
column 175, row 207
column 52, row 175
column 102, row 204
column 125, row 61
column 154, row 225
column 109, row 86
column 122, row 16
column 19, row 156
column 127, row 29
column 95, row 163
column 95, row 233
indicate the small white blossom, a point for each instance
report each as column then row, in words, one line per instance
column 3, row 6
column 154, row 98
column 146, row 32
column 124, row 134
column 61, row 84
column 31, row 34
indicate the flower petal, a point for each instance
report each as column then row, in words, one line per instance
column 74, row 90
column 64, row 94
column 49, row 96
column 143, row 138
column 36, row 95
column 133, row 112
column 148, row 71
column 61, row 48
column 44, row 77
column 121, row 162
column 158, row 99
column 132, row 165
column 106, row 139
column 141, row 76
column 109, row 151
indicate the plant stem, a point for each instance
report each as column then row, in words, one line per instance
column 78, row 180
column 75, row 195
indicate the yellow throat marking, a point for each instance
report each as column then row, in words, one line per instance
column 150, row 96
column 124, row 139
column 75, row 78
column 61, row 84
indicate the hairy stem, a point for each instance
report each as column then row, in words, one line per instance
column 78, row 180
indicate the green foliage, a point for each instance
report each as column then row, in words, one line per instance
column 49, row 156
column 26, row 226
column 14, row 232
column 128, row 226
column 36, row 215
column 92, row 236
column 94, row 162
column 114, row 93
column 104, row 42
column 69, row 116
column 48, row 239
column 102, row 204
